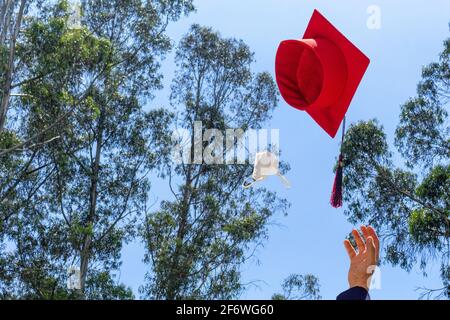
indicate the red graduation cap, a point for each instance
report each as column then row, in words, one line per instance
column 320, row 73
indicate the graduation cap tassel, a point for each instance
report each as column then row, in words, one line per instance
column 336, row 195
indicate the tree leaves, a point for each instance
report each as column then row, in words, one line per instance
column 82, row 205
column 423, row 134
column 299, row 287
column 197, row 243
column 409, row 207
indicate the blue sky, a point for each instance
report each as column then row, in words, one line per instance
column 309, row 239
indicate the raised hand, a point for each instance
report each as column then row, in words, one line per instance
column 364, row 259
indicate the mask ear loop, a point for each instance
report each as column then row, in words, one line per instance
column 284, row 180
column 247, row 184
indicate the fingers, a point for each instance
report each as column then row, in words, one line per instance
column 350, row 250
column 359, row 241
column 368, row 244
column 365, row 232
column 373, row 234
column 371, row 250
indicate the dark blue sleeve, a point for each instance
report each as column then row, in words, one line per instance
column 355, row 293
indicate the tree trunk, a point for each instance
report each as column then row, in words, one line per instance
column 5, row 20
column 173, row 281
column 6, row 90
column 85, row 253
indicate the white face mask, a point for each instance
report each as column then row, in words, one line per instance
column 266, row 164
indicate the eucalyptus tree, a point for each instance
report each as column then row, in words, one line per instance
column 299, row 287
column 11, row 16
column 410, row 204
column 84, row 88
column 198, row 241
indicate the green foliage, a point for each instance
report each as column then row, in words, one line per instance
column 3, row 64
column 8, row 139
column 424, row 228
column 74, row 194
column 409, row 207
column 422, row 136
column 435, row 187
column 75, row 200
column 101, row 286
column 197, row 243
column 299, row 287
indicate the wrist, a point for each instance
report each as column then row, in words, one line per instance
column 360, row 283
column 360, row 286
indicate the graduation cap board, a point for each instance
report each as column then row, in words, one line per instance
column 319, row 74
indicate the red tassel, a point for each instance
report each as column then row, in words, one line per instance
column 336, row 195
